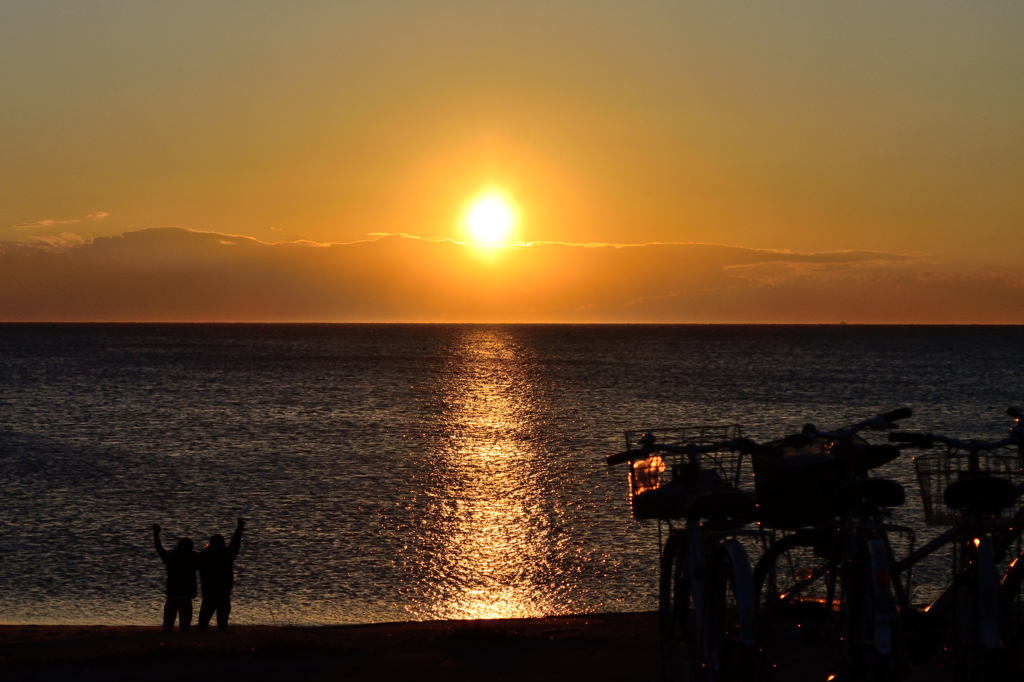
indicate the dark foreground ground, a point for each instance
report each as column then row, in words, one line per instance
column 612, row 647
column 596, row 647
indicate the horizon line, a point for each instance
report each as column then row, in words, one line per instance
column 450, row 323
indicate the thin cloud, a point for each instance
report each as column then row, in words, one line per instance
column 176, row 274
column 403, row 234
column 782, row 253
column 50, row 222
column 54, row 243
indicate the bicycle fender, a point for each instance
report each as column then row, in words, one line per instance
column 1017, row 565
column 665, row 577
column 698, row 562
column 988, row 593
column 743, row 581
column 883, row 598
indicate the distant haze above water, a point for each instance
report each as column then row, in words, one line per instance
column 395, row 472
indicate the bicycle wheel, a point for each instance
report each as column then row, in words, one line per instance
column 974, row 632
column 794, row 589
column 961, row 649
column 731, row 623
column 675, row 610
column 1011, row 599
column 871, row 641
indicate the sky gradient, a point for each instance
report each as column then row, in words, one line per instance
column 803, row 127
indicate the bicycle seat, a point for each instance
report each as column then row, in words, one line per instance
column 878, row 491
column 723, row 509
column 984, row 494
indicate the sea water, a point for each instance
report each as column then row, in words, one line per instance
column 401, row 472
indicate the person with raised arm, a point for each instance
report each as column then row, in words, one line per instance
column 217, row 575
column 181, row 564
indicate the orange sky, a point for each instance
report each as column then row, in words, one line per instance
column 795, row 126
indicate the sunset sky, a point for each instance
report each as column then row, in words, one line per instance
column 858, row 162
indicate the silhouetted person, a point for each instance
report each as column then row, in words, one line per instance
column 181, row 563
column 217, row 574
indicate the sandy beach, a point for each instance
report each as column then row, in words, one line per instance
column 605, row 647
column 593, row 647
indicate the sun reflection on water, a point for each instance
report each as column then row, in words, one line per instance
column 486, row 530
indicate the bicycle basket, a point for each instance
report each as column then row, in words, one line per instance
column 796, row 484
column 662, row 484
column 935, row 472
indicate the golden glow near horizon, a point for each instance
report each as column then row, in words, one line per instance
column 490, row 219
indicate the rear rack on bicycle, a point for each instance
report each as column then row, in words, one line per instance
column 935, row 471
column 662, row 483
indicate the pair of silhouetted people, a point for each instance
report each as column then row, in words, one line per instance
column 216, row 572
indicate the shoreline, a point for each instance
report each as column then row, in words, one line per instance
column 599, row 646
column 607, row 646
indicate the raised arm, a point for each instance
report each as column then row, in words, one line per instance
column 156, row 541
column 236, row 539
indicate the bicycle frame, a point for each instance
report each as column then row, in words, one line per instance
column 974, row 535
column 979, row 536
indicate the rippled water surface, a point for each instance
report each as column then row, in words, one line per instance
column 396, row 472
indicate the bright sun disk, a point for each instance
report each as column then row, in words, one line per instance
column 490, row 219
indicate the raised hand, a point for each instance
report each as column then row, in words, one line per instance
column 156, row 529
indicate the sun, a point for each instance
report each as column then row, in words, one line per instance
column 490, row 219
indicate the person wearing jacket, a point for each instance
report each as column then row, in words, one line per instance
column 181, row 564
column 217, row 575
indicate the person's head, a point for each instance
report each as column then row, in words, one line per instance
column 185, row 545
column 216, row 542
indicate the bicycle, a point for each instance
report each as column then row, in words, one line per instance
column 968, row 487
column 1011, row 587
column 828, row 577
column 706, row 606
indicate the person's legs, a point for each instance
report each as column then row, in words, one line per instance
column 180, row 609
column 185, row 618
column 223, row 611
column 206, row 609
column 170, row 612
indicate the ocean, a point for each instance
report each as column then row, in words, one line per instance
column 409, row 472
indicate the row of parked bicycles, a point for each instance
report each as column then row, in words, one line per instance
column 832, row 588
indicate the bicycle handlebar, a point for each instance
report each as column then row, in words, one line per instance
column 650, row 448
column 880, row 422
column 928, row 440
column 627, row 456
column 897, row 414
column 730, row 444
column 912, row 438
